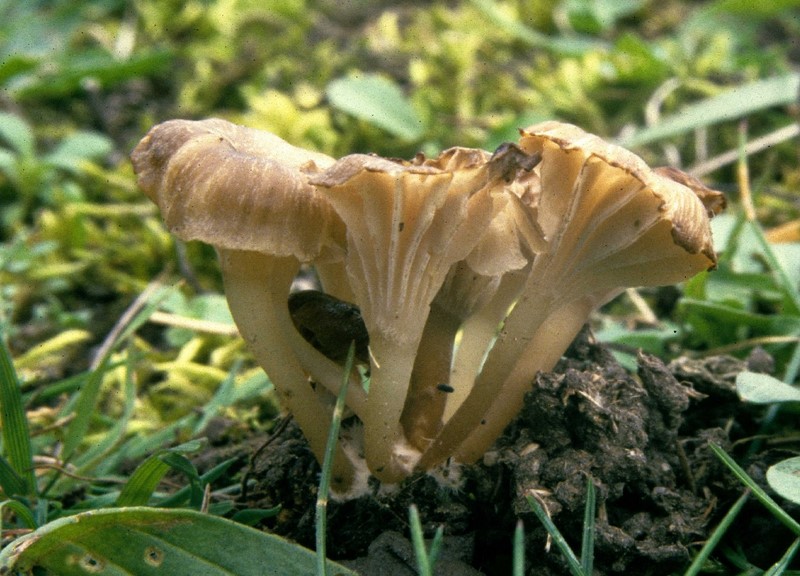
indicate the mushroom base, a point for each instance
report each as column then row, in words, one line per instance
column 642, row 440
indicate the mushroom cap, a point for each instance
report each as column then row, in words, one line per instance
column 238, row 188
column 472, row 282
column 407, row 223
column 615, row 221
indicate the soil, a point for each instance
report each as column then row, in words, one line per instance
column 642, row 439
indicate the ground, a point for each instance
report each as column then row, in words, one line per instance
column 642, row 438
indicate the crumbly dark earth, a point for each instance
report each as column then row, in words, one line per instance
column 642, row 439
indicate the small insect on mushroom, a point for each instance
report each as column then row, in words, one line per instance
column 329, row 324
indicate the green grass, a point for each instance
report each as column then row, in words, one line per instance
column 116, row 352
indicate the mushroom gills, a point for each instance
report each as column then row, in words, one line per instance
column 329, row 324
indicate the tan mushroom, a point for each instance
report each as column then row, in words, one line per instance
column 246, row 192
column 463, row 319
column 603, row 221
column 422, row 251
column 407, row 224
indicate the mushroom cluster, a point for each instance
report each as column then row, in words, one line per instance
column 459, row 277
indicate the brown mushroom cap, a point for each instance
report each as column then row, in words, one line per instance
column 622, row 200
column 246, row 192
column 407, row 224
column 236, row 187
column 603, row 221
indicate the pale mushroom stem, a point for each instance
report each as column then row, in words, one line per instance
column 389, row 456
column 257, row 288
column 422, row 414
column 477, row 333
column 521, row 328
column 542, row 352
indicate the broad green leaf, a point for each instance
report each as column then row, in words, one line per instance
column 76, row 149
column 784, row 478
column 15, row 434
column 637, row 62
column 8, row 164
column 13, row 65
column 15, row 132
column 764, row 389
column 595, row 17
column 67, row 75
column 151, row 541
column 730, row 104
column 378, row 101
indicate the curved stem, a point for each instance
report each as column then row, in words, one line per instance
column 257, row 289
column 425, row 404
column 520, row 326
column 388, row 455
column 477, row 333
column 542, row 352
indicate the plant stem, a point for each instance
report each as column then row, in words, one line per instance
column 327, row 466
column 257, row 288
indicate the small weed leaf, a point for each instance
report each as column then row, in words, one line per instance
column 784, row 478
column 764, row 389
column 377, row 101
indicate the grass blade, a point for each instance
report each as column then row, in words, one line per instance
column 574, row 564
column 15, row 433
column 84, row 408
column 436, row 546
column 100, row 453
column 587, row 540
column 783, row 564
column 144, row 480
column 736, row 102
column 716, row 536
column 758, row 492
column 23, row 513
column 574, row 45
column 327, row 465
column 518, row 558
column 418, row 541
column 790, row 292
column 426, row 560
column 11, row 482
column 183, row 494
column 140, row 311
